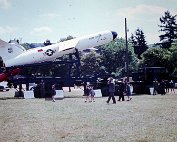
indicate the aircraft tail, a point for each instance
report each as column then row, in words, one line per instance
column 10, row 50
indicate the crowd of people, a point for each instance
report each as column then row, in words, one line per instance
column 123, row 89
column 163, row 87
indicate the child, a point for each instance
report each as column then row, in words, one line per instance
column 87, row 92
column 128, row 92
column 92, row 94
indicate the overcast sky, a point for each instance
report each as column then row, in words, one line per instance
column 38, row 20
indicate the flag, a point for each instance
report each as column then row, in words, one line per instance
column 40, row 50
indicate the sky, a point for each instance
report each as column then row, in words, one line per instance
column 37, row 20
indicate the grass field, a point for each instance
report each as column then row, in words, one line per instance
column 146, row 118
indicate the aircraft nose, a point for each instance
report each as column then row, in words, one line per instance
column 114, row 34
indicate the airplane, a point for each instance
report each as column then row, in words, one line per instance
column 14, row 55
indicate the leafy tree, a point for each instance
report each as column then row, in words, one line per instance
column 90, row 64
column 169, row 27
column 108, row 59
column 173, row 59
column 113, row 57
column 139, row 43
column 156, row 57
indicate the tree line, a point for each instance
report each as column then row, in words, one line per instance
column 162, row 54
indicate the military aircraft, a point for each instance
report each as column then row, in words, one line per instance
column 14, row 55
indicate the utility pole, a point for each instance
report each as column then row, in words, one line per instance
column 126, row 53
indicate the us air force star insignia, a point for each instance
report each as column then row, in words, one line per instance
column 49, row 52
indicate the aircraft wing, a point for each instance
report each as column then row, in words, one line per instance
column 68, row 45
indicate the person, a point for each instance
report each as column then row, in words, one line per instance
column 172, row 86
column 111, row 84
column 87, row 92
column 92, row 94
column 162, row 87
column 155, row 85
column 121, row 91
column 53, row 92
column 42, row 88
column 128, row 92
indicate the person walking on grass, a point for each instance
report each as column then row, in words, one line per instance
column 128, row 92
column 155, row 85
column 87, row 92
column 111, row 85
column 162, row 87
column 121, row 91
column 92, row 94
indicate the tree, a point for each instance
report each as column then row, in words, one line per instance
column 169, row 27
column 173, row 58
column 139, row 43
column 113, row 57
column 156, row 57
column 90, row 64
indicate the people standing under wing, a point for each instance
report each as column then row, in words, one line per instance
column 155, row 85
column 111, row 84
column 53, row 92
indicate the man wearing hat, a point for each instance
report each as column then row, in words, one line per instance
column 111, row 84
